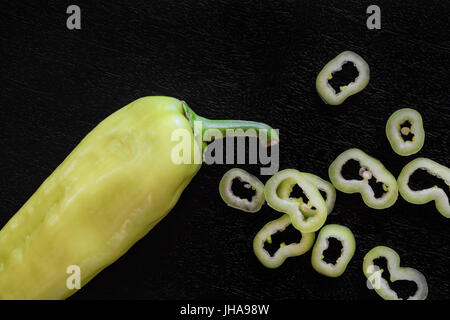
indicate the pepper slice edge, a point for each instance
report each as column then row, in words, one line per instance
column 347, row 239
column 426, row 195
column 394, row 134
column 376, row 169
column 294, row 208
column 235, row 201
column 396, row 272
column 284, row 252
column 326, row 91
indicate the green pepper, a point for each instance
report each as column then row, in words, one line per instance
column 112, row 189
column 326, row 91
column 306, row 216
column 285, row 251
column 396, row 132
column 371, row 168
column 423, row 196
column 345, row 236
column 381, row 286
column 285, row 189
column 235, row 201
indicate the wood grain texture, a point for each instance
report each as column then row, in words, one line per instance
column 231, row 59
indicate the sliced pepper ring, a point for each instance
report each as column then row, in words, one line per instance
column 305, row 216
column 285, row 189
column 371, row 167
column 327, row 92
column 235, row 201
column 426, row 195
column 285, row 251
column 396, row 272
column 395, row 133
column 345, row 236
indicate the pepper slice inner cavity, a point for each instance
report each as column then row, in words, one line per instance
column 405, row 131
column 242, row 189
column 281, row 239
column 422, row 179
column 333, row 252
column 403, row 288
column 340, row 79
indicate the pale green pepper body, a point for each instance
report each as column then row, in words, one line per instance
column 106, row 195
column 114, row 187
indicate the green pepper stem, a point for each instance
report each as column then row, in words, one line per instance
column 227, row 126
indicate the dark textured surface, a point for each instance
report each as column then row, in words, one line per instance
column 230, row 59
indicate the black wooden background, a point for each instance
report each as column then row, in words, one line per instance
column 233, row 59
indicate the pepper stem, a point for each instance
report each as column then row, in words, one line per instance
column 228, row 126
